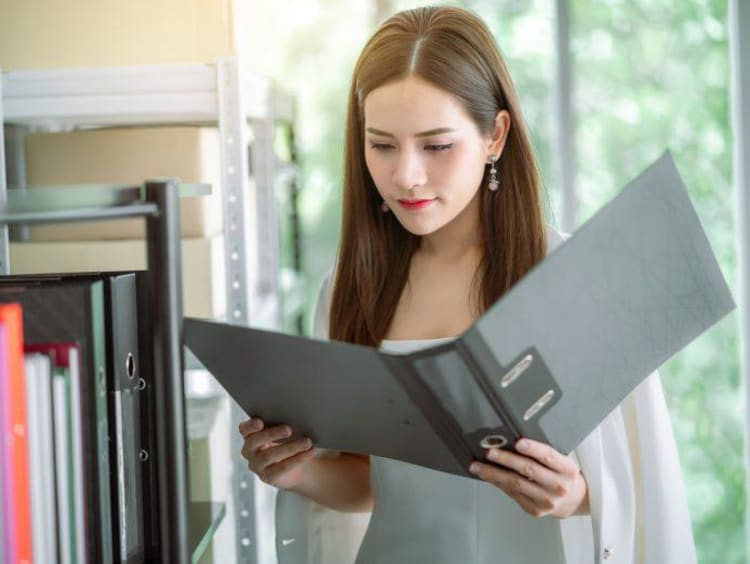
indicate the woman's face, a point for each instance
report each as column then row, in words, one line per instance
column 424, row 153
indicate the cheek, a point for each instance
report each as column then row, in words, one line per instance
column 461, row 166
column 377, row 167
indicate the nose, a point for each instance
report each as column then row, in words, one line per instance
column 410, row 171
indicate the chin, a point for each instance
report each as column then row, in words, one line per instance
column 417, row 229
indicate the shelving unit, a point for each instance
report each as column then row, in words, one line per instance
column 245, row 108
column 157, row 201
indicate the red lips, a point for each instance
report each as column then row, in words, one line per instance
column 415, row 204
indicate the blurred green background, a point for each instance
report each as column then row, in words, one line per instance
column 648, row 75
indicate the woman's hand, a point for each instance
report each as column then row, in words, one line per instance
column 271, row 457
column 540, row 479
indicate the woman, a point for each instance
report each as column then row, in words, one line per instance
column 442, row 215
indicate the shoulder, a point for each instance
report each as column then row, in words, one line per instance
column 555, row 238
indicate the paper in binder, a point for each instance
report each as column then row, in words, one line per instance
column 68, row 451
column 39, row 429
column 549, row 360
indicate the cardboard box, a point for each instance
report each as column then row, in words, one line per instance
column 128, row 156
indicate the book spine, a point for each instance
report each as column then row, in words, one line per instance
column 18, row 535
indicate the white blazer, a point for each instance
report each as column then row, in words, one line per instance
column 638, row 508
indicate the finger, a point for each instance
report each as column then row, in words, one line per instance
column 547, row 456
column 281, row 452
column 255, row 441
column 529, row 506
column 272, row 473
column 514, row 484
column 526, row 467
column 252, row 425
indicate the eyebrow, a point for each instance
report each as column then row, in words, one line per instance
column 436, row 131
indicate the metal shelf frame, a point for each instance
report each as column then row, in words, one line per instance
column 220, row 94
column 162, row 214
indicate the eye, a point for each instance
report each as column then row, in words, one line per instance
column 436, row 148
column 381, row 146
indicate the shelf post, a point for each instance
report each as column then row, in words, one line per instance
column 164, row 262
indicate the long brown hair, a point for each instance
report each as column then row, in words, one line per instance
column 455, row 51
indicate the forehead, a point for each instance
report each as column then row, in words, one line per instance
column 412, row 105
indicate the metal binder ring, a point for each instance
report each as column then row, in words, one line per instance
column 516, row 371
column 493, row 441
column 538, row 405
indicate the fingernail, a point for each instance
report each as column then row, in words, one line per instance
column 522, row 445
column 287, row 431
column 254, row 423
column 307, row 443
column 474, row 468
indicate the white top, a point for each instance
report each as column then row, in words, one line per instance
column 638, row 506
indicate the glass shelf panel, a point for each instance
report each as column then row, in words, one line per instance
column 205, row 518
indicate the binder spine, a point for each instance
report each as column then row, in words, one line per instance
column 504, row 411
column 428, row 404
column 522, row 392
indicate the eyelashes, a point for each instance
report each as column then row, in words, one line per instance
column 431, row 148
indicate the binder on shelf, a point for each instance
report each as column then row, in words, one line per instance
column 15, row 493
column 549, row 360
column 119, row 333
column 125, row 416
column 66, row 311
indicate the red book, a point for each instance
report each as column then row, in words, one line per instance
column 14, row 446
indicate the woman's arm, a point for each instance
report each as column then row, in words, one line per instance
column 340, row 481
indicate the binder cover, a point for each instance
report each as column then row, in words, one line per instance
column 549, row 360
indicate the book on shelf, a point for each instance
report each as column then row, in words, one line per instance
column 68, row 448
column 549, row 360
column 39, row 431
column 15, row 494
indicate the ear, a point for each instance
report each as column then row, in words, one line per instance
column 496, row 143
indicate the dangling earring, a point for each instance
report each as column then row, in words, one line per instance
column 494, row 183
column 384, row 207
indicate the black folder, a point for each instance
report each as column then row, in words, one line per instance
column 70, row 311
column 549, row 360
column 55, row 311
